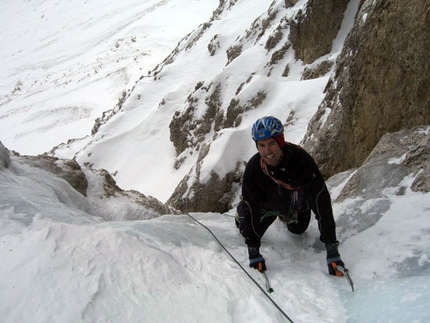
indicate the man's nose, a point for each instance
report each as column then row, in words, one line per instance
column 266, row 149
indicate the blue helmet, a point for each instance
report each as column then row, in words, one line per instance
column 267, row 127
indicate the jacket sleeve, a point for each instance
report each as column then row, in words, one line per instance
column 318, row 197
column 251, row 205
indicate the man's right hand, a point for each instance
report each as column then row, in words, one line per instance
column 256, row 260
column 333, row 257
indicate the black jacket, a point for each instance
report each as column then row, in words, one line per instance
column 261, row 193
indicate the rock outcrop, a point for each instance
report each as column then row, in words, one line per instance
column 381, row 84
column 398, row 155
column 4, row 157
column 313, row 31
column 97, row 187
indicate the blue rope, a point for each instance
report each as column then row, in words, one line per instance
column 241, row 267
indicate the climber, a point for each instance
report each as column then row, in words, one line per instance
column 283, row 181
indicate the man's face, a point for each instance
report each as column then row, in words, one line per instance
column 270, row 151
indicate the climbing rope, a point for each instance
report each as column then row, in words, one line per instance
column 241, row 267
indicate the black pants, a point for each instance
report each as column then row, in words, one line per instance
column 267, row 218
column 303, row 219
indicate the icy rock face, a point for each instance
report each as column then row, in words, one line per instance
column 4, row 157
column 99, row 191
column 67, row 169
column 111, row 202
column 313, row 33
column 380, row 84
column 396, row 156
column 398, row 165
column 215, row 194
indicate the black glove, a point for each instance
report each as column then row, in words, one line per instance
column 333, row 256
column 256, row 260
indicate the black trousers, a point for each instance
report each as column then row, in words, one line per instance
column 266, row 219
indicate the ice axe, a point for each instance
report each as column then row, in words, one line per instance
column 260, row 269
column 342, row 271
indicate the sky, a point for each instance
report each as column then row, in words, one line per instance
column 70, row 258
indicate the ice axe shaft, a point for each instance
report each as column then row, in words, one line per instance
column 342, row 271
column 269, row 289
column 260, row 269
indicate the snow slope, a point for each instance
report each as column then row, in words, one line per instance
column 61, row 262
column 65, row 63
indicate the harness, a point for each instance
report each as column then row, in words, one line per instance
column 289, row 187
column 296, row 199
